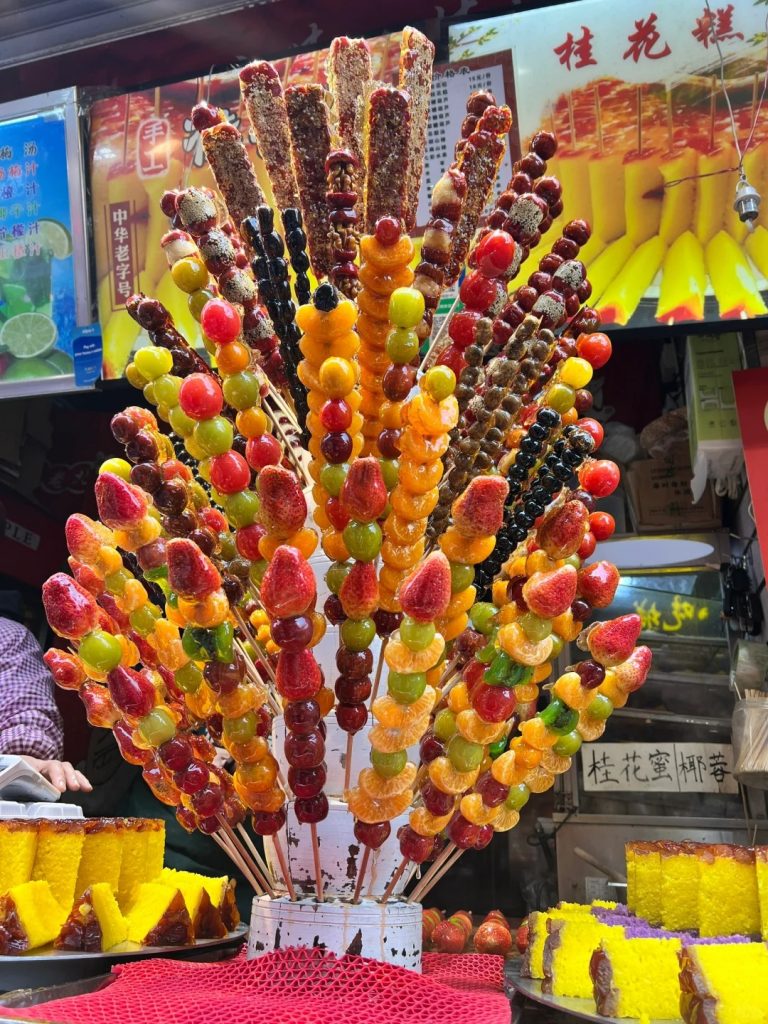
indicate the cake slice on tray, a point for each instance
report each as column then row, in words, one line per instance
column 30, row 917
column 95, row 923
column 159, row 917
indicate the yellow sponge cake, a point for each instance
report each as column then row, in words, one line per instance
column 761, row 868
column 647, row 882
column 727, row 900
column 18, row 842
column 29, row 917
column 724, row 983
column 95, row 923
column 636, row 976
column 57, row 857
column 567, row 952
column 143, row 846
column 206, row 918
column 159, row 917
column 102, row 854
column 679, row 886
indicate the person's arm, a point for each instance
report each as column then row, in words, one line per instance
column 30, row 722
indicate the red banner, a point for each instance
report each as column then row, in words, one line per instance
column 751, row 387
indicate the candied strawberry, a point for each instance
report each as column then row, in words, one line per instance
column 121, row 505
column 632, row 673
column 85, row 536
column 562, row 530
column 364, row 493
column 597, row 583
column 426, row 592
column 298, row 675
column 85, row 576
column 191, row 573
column 283, row 505
column 479, row 510
column 111, row 607
column 612, row 642
column 288, row 587
column 359, row 592
column 71, row 610
column 549, row 594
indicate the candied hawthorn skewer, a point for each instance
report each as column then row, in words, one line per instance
column 155, row 319
column 417, row 54
column 329, row 373
column 343, row 170
column 270, row 269
column 349, row 74
column 385, row 257
column 448, row 197
column 385, row 791
column 309, row 125
column 264, row 100
column 296, row 244
column 387, row 143
column 228, row 159
column 479, row 162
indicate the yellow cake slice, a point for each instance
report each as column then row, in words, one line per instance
column 95, row 923
column 647, row 883
column 206, row 918
column 143, row 848
column 567, row 952
column 728, row 900
column 636, row 977
column 725, row 984
column 532, row 965
column 18, row 843
column 761, row 869
column 159, row 917
column 629, row 857
column 30, row 917
column 679, row 886
column 102, row 854
column 57, row 857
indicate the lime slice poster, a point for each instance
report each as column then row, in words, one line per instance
column 37, row 280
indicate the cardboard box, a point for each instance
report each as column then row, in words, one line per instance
column 660, row 496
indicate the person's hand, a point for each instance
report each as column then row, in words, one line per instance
column 61, row 774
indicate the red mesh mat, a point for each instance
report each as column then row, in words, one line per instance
column 292, row 986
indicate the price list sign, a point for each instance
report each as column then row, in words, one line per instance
column 658, row 768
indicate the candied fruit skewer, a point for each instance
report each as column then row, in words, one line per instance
column 197, row 211
column 329, row 373
column 429, row 416
column 387, row 137
column 343, row 197
column 479, row 161
column 349, row 74
column 448, row 195
column 288, row 593
column 270, row 269
column 228, row 159
column 296, row 244
column 264, row 100
column 385, row 258
column 417, row 54
column 384, row 791
column 154, row 318
column 309, row 125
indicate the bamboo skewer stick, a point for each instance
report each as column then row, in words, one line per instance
column 284, row 867
column 394, row 880
column 433, row 343
column 443, row 871
column 239, row 862
column 263, row 879
column 318, row 871
column 361, row 874
column 441, row 858
column 262, row 864
column 348, row 760
column 379, row 667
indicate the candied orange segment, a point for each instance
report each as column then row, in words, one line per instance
column 388, row 741
column 369, row 810
column 418, row 478
column 443, row 775
column 373, row 330
column 402, row 556
column 327, row 326
column 542, row 672
column 590, row 728
column 499, row 593
column 526, row 692
column 390, row 415
column 461, row 602
column 538, row 561
column 391, row 578
column 454, row 627
column 536, row 734
column 458, row 698
column 474, row 810
column 386, row 257
column 431, row 417
column 401, row 659
column 314, row 351
column 321, row 516
column 504, row 769
column 418, row 448
column 507, row 613
column 403, row 531
column 514, row 642
column 566, row 626
column 555, row 763
column 427, row 824
column 539, row 780
column 387, row 599
column 458, row 548
column 333, row 546
column 473, row 728
column 569, row 689
column 392, row 715
column 506, row 820
column 307, row 374
column 373, row 360
column 376, row 786
column 371, row 277
column 611, row 689
column 413, row 506
column 374, row 305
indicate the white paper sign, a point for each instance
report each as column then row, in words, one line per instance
column 658, row 768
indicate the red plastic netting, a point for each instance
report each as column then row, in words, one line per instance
column 292, row 986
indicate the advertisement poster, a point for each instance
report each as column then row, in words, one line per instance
column 646, row 152
column 751, row 387
column 144, row 143
column 38, row 276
